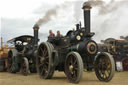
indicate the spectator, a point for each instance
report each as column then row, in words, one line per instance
column 51, row 34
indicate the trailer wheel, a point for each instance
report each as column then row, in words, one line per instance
column 25, row 67
column 44, row 61
column 74, row 67
column 104, row 66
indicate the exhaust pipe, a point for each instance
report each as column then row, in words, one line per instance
column 86, row 8
column 1, row 43
column 36, row 28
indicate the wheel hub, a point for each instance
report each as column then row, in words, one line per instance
column 42, row 59
column 109, row 66
column 71, row 67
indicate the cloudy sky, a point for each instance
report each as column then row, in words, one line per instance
column 17, row 17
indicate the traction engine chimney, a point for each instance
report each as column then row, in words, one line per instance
column 86, row 9
column 36, row 28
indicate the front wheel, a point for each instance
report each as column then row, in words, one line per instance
column 25, row 67
column 74, row 67
column 104, row 66
column 10, row 55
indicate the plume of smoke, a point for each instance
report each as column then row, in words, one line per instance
column 104, row 8
column 96, row 2
column 47, row 17
column 52, row 12
column 112, row 19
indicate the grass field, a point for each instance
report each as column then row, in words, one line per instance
column 59, row 78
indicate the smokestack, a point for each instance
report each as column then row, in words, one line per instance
column 77, row 26
column 36, row 28
column 1, row 43
column 86, row 8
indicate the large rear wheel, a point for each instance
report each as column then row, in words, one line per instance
column 44, row 61
column 104, row 66
column 74, row 67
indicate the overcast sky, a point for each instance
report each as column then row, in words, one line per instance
column 17, row 17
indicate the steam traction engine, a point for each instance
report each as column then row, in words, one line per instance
column 119, row 50
column 3, row 56
column 73, row 53
column 23, row 57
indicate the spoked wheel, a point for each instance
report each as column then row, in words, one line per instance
column 10, row 54
column 74, row 67
column 104, row 66
column 44, row 61
column 25, row 67
column 125, row 64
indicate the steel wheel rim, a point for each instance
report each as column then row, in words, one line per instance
column 25, row 67
column 103, row 67
column 43, row 61
column 72, row 68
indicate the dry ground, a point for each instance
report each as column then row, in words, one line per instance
column 89, row 78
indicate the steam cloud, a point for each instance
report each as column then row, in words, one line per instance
column 52, row 12
column 111, row 20
column 107, row 8
column 47, row 16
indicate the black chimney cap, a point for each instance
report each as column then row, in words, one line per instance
column 36, row 27
column 86, row 6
